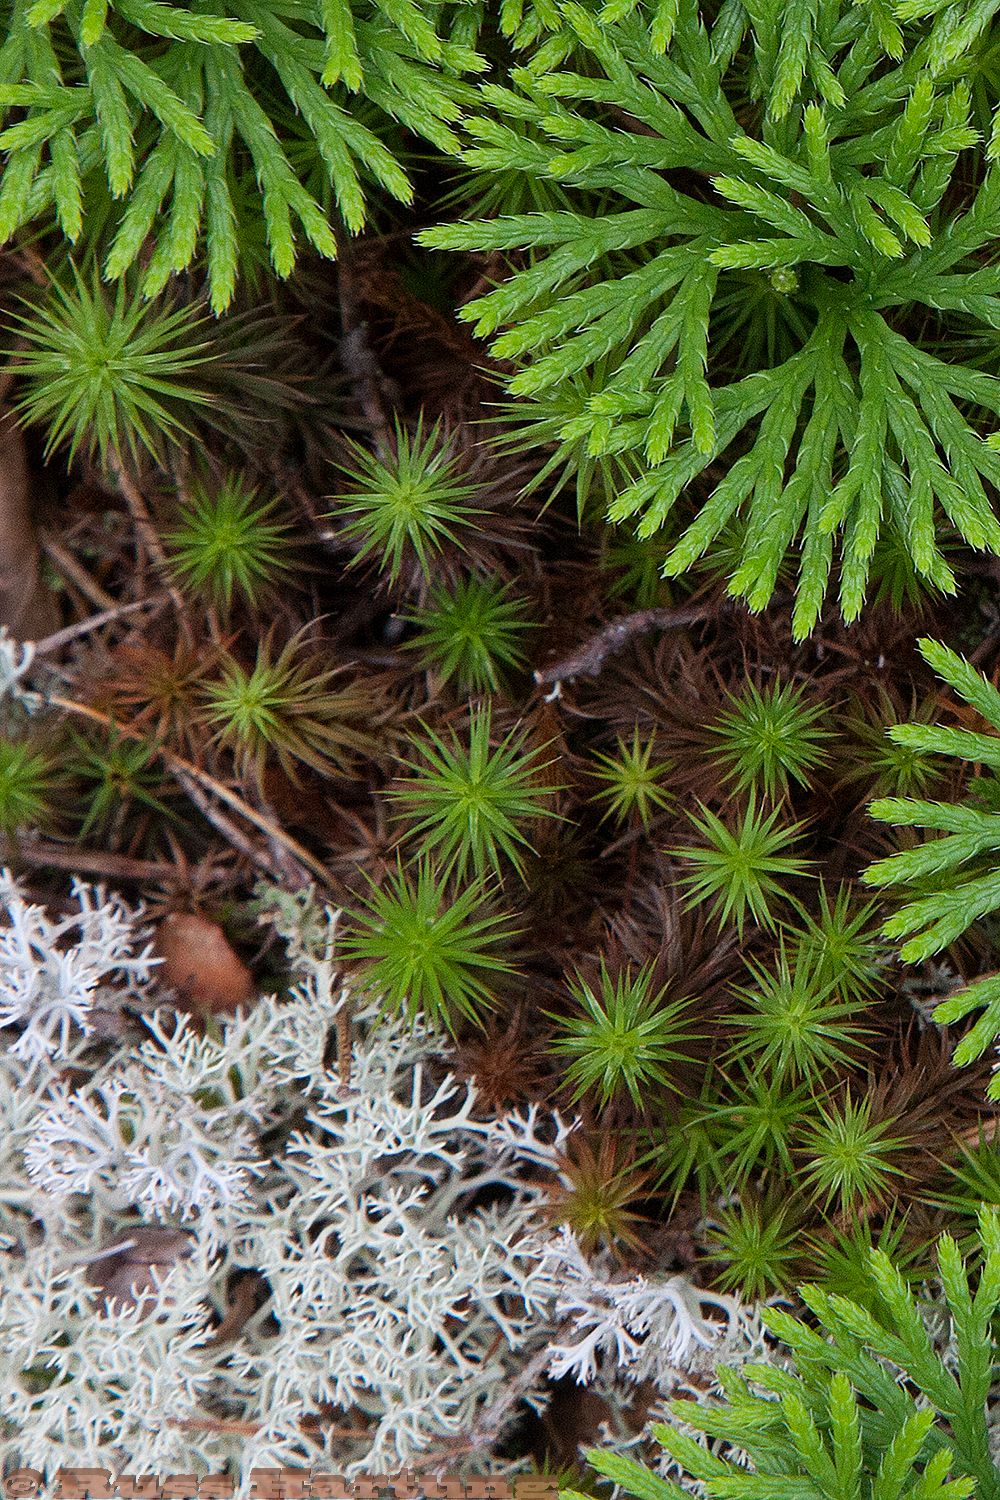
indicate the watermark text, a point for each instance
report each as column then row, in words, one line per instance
column 277, row 1484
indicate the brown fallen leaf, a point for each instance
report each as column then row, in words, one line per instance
column 242, row 1305
column 200, row 966
column 126, row 1265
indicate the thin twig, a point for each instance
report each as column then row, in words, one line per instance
column 151, row 541
column 589, row 658
column 343, row 1022
column 140, row 512
column 233, row 835
column 214, row 1424
column 74, row 570
column 41, row 853
column 210, row 1424
column 175, row 763
column 983, row 1130
column 357, row 360
column 27, row 604
column 288, row 871
column 93, row 622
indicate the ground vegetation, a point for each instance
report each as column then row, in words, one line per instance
column 524, row 478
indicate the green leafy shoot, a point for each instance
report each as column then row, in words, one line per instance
column 117, row 773
column 972, row 835
column 624, row 1037
column 816, row 1442
column 770, row 736
column 187, row 140
column 404, row 503
column 739, row 870
column 790, row 1025
column 594, row 1193
column 110, row 376
column 842, row 1421
column 847, row 950
column 952, row 878
column 426, row 950
column 633, row 788
column 467, row 802
column 753, row 335
column 690, row 1145
column 226, row 542
column 891, row 769
column 848, row 1155
column 758, row 1244
column 470, row 633
column 759, row 1120
column 26, row 782
column 286, row 707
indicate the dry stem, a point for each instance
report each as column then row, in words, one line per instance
column 150, row 541
column 42, row 853
column 589, row 658
column 175, row 763
column 74, row 570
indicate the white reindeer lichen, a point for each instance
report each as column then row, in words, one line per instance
column 407, row 1278
column 49, row 985
column 393, row 1290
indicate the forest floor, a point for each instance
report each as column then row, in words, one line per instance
column 611, row 658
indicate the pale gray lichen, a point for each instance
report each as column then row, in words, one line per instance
column 54, row 975
column 408, row 1277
